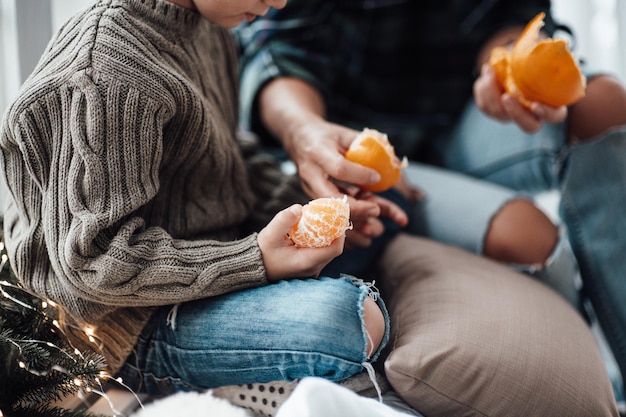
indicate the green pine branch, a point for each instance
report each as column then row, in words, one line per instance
column 37, row 364
column 48, row 412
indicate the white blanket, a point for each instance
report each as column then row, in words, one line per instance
column 317, row 397
column 312, row 397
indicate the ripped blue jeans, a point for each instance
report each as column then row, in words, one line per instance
column 458, row 209
column 487, row 163
column 282, row 331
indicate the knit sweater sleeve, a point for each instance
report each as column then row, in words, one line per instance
column 82, row 175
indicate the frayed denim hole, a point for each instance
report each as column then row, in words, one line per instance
column 368, row 289
column 170, row 320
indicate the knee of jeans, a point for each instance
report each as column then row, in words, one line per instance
column 520, row 232
column 560, row 271
column 374, row 325
column 375, row 330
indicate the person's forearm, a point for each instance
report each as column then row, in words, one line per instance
column 287, row 104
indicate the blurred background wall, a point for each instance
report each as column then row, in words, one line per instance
column 26, row 27
column 600, row 29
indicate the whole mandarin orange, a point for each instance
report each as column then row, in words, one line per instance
column 372, row 149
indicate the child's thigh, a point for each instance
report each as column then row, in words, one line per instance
column 287, row 330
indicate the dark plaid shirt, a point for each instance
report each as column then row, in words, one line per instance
column 405, row 67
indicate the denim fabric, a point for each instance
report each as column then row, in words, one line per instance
column 590, row 178
column 457, row 209
column 594, row 209
column 287, row 330
column 503, row 154
column 560, row 272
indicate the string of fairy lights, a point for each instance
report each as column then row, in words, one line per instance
column 84, row 385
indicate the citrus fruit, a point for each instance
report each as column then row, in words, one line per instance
column 372, row 149
column 539, row 70
column 323, row 220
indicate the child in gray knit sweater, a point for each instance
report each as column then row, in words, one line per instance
column 129, row 195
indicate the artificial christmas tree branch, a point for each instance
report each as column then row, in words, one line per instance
column 39, row 366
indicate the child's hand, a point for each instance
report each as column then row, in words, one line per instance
column 283, row 260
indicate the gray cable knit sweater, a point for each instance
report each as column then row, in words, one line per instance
column 128, row 186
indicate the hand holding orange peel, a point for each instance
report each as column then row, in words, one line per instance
column 372, row 149
column 322, row 221
column 544, row 70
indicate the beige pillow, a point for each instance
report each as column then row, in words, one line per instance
column 471, row 337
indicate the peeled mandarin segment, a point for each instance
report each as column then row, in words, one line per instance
column 373, row 150
column 323, row 220
column 539, row 70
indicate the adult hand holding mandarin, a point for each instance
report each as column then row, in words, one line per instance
column 495, row 102
column 532, row 82
column 294, row 112
column 318, row 150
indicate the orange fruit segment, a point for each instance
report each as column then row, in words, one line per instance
column 544, row 70
column 323, row 220
column 372, row 149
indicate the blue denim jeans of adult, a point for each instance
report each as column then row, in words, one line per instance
column 281, row 331
column 503, row 162
column 593, row 207
column 458, row 210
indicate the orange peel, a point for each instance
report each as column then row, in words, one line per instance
column 543, row 70
column 322, row 221
column 372, row 149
